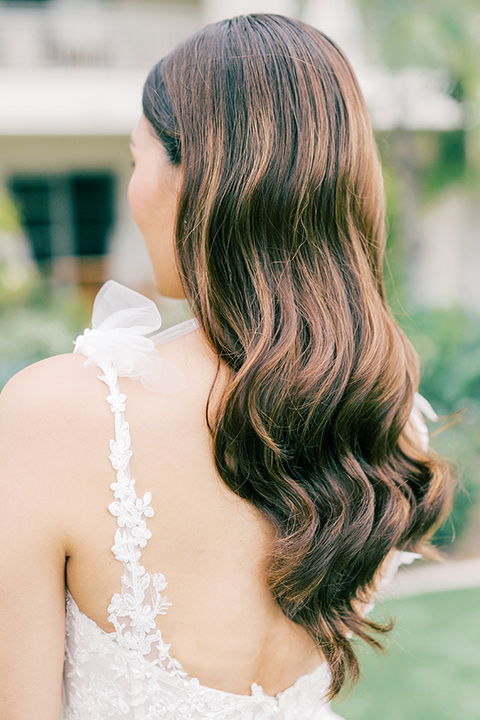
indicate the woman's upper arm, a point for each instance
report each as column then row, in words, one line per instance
column 32, row 549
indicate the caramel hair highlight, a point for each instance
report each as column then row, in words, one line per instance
column 280, row 240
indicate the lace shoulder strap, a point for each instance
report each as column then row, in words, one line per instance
column 117, row 344
column 134, row 609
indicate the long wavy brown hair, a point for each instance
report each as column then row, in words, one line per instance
column 280, row 239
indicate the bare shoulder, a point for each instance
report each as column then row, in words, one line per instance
column 43, row 380
column 43, row 414
column 48, row 395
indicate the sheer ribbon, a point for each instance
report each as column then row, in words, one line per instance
column 122, row 319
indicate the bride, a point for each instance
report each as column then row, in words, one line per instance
column 218, row 503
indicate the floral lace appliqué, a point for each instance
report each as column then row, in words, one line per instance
column 133, row 611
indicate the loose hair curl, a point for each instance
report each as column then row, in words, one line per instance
column 280, row 238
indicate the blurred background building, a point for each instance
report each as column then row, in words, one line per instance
column 71, row 75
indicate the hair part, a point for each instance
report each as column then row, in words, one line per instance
column 280, row 239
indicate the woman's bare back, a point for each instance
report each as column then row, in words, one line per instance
column 223, row 624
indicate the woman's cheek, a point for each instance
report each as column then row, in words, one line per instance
column 136, row 201
column 132, row 196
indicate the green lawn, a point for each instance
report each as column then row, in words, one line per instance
column 431, row 670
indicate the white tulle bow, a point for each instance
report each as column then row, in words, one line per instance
column 121, row 320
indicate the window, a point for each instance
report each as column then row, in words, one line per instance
column 67, row 216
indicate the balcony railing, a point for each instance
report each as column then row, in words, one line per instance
column 88, row 33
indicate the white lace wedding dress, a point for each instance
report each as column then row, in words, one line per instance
column 130, row 672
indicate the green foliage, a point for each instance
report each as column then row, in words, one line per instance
column 437, row 35
column 45, row 325
column 17, row 271
column 448, row 165
column 432, row 664
column 394, row 258
column 426, row 33
column 9, row 218
column 448, row 344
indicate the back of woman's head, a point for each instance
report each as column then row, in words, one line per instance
column 280, row 238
